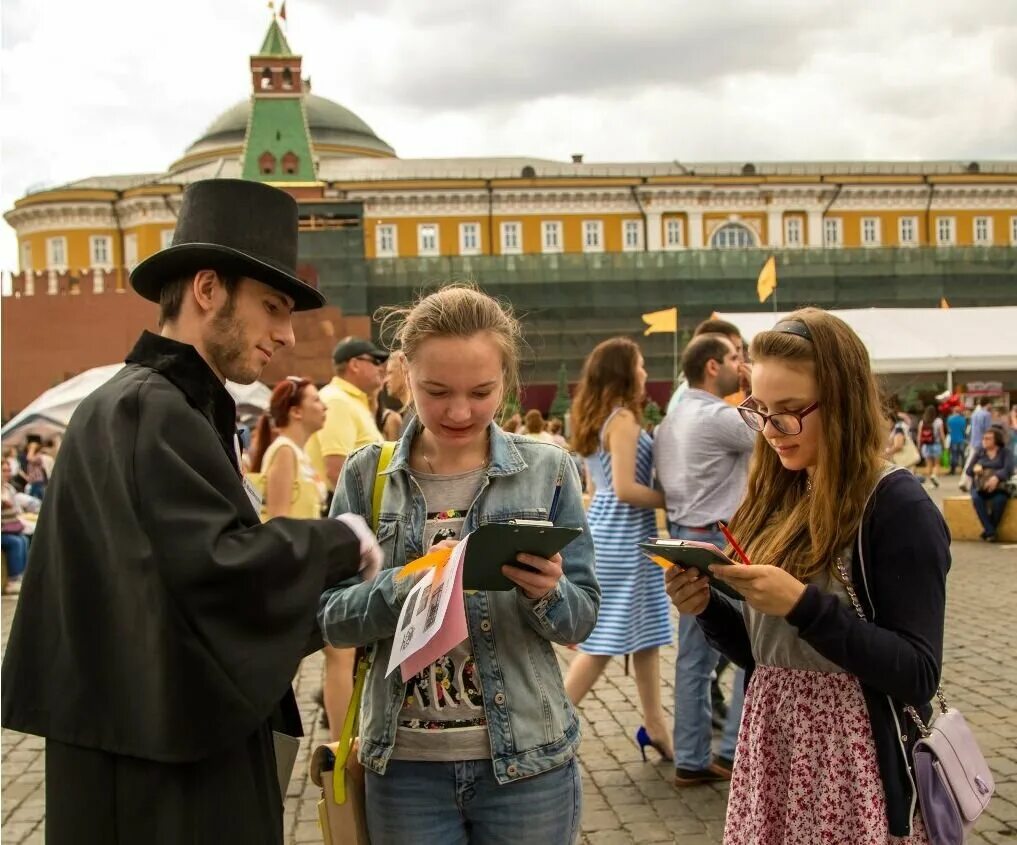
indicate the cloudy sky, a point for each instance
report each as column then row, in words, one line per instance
column 121, row 86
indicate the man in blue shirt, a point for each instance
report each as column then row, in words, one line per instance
column 957, row 428
column 981, row 419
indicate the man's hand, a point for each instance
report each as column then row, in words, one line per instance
column 371, row 557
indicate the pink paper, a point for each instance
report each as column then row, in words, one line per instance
column 453, row 631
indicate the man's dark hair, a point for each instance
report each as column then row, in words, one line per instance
column 717, row 327
column 171, row 297
column 985, row 401
column 701, row 350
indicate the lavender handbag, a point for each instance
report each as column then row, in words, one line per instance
column 954, row 782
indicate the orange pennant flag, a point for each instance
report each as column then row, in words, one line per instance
column 661, row 321
column 943, row 303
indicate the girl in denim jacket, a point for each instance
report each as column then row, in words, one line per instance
column 480, row 746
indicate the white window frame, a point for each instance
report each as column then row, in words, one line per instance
column 166, row 238
column 130, row 251
column 1013, row 231
column 630, row 227
column 53, row 260
column 428, row 232
column 949, row 226
column 26, row 256
column 902, row 237
column 593, row 236
column 833, row 232
column 871, row 231
column 985, row 240
column 794, row 232
column 386, row 240
column 551, row 236
column 100, row 251
column 469, row 239
column 516, row 229
column 674, row 233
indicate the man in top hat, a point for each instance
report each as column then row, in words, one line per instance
column 161, row 623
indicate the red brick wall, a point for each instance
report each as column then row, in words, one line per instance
column 49, row 338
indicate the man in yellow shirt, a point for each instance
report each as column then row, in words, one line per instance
column 349, row 424
column 349, row 401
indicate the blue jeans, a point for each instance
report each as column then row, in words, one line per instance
column 15, row 546
column 460, row 803
column 989, row 509
column 957, row 451
column 693, row 672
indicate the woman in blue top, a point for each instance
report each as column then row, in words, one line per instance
column 480, row 746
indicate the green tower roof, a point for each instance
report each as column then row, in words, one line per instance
column 275, row 43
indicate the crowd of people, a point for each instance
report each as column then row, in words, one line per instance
column 227, row 566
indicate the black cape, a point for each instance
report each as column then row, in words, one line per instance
column 160, row 623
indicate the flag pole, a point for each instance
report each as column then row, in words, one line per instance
column 674, row 383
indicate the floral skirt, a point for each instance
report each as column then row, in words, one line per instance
column 805, row 769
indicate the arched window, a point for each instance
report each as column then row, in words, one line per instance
column 287, row 79
column 266, row 79
column 266, row 163
column 290, row 162
column 733, row 236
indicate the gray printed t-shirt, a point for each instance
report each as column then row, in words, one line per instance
column 442, row 718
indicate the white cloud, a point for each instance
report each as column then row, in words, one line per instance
column 122, row 87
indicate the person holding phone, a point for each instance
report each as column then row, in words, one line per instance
column 824, row 750
column 480, row 746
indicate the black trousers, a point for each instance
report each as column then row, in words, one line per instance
column 109, row 799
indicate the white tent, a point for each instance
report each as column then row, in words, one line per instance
column 51, row 411
column 919, row 340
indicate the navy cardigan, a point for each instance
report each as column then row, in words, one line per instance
column 899, row 574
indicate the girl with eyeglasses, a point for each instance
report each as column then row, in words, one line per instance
column 824, row 750
column 289, row 484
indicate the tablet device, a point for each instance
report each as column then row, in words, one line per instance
column 693, row 554
column 496, row 544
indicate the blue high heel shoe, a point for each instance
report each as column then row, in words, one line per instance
column 643, row 739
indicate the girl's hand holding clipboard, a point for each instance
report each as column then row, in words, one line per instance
column 688, row 590
column 768, row 589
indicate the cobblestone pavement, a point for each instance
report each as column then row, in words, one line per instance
column 628, row 801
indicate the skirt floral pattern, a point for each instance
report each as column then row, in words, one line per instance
column 805, row 768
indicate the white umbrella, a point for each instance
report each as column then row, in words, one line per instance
column 51, row 411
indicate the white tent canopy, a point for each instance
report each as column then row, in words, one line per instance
column 51, row 411
column 918, row 340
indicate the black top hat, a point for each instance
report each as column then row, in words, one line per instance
column 233, row 226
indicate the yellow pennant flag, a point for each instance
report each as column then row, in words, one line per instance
column 766, row 284
column 943, row 303
column 661, row 321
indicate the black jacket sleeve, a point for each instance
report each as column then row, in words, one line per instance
column 902, row 586
column 724, row 627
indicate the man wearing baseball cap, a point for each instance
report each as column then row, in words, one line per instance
column 349, row 399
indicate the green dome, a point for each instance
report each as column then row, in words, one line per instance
column 328, row 122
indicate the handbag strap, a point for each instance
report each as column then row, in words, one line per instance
column 378, row 489
column 849, row 587
column 351, row 724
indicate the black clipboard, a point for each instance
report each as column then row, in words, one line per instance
column 496, row 544
column 692, row 554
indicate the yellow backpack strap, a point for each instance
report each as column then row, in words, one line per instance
column 350, row 726
column 378, row 490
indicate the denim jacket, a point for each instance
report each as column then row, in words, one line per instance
column 533, row 726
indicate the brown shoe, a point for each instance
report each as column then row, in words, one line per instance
column 695, row 777
column 723, row 765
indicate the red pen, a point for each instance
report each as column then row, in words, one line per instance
column 733, row 542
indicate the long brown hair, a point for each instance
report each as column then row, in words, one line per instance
column 607, row 381
column 779, row 521
column 286, row 394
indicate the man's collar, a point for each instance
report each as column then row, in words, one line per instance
column 703, row 395
column 182, row 365
column 350, row 388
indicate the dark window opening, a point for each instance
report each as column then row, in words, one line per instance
column 266, row 80
column 266, row 163
column 290, row 163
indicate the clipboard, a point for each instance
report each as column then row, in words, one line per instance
column 496, row 544
column 693, row 554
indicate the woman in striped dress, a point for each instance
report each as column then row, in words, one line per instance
column 634, row 616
